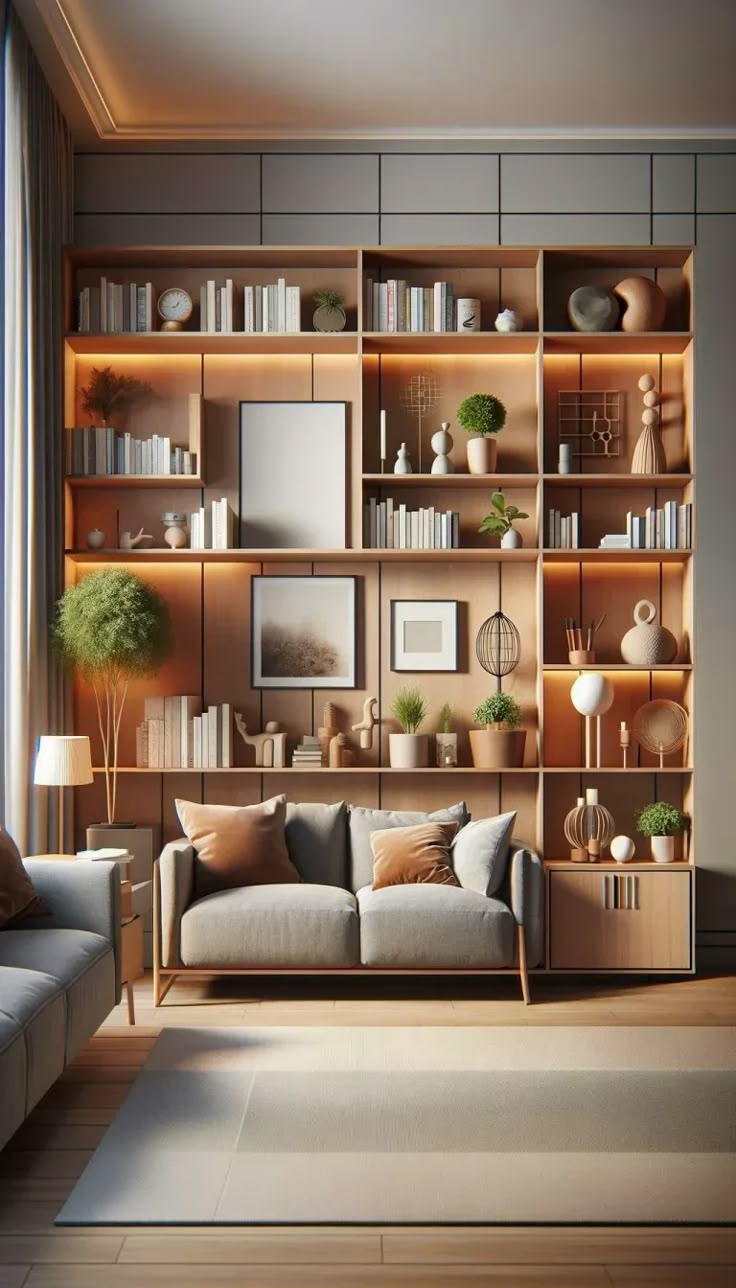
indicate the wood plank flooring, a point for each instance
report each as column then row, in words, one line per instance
column 39, row 1166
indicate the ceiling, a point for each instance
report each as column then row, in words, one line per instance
column 391, row 69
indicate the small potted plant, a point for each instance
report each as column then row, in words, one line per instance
column 500, row 522
column 408, row 750
column 446, row 740
column 500, row 743
column 482, row 415
column 108, row 395
column 662, row 822
column 329, row 314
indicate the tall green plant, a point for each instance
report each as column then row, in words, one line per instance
column 111, row 628
column 410, row 709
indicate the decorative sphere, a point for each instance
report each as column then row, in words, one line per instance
column 651, row 398
column 95, row 538
column 592, row 694
column 622, row 849
column 646, row 383
column 650, row 416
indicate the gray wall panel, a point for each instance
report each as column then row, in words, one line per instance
column 439, row 184
column 716, row 184
column 673, row 230
column 549, row 184
column 161, row 183
column 439, row 230
column 320, row 183
column 574, row 230
column 673, row 183
column 320, row 230
column 167, row 230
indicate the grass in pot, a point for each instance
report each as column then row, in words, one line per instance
column 408, row 749
column 500, row 743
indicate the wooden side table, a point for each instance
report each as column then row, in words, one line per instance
column 131, row 927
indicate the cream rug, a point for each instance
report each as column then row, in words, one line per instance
column 421, row 1125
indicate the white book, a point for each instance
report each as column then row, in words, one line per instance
column 390, row 523
column 293, row 309
column 226, row 736
column 228, row 304
column 203, row 307
column 213, row 737
column 248, row 308
column 281, row 304
column 438, row 309
column 204, row 751
column 211, row 307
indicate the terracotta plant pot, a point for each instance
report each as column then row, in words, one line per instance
column 495, row 748
column 482, row 452
column 663, row 849
column 408, row 750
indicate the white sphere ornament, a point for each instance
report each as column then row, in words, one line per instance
column 622, row 849
column 508, row 320
column 592, row 694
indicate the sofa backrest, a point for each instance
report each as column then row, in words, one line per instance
column 317, row 841
column 362, row 822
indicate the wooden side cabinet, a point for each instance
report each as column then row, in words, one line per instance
column 620, row 920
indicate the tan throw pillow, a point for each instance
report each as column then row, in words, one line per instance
column 408, row 855
column 238, row 845
column 18, row 895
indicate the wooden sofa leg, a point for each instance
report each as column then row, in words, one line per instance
column 160, row 990
column 523, row 968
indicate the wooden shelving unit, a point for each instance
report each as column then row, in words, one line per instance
column 209, row 591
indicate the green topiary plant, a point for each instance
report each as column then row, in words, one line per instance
column 499, row 709
column 482, row 414
column 410, row 709
column 661, row 819
column 112, row 627
column 328, row 299
column 107, row 394
column 444, row 721
column 503, row 517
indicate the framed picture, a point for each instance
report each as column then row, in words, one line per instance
column 303, row 633
column 293, row 462
column 423, row 634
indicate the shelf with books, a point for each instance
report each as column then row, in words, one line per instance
column 624, row 555
column 483, row 482
column 618, row 480
column 456, row 770
column 135, row 480
column 203, row 342
column 355, row 555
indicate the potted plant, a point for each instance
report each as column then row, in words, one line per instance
column 446, row 740
column 500, row 743
column 329, row 314
column 662, row 822
column 107, row 394
column 500, row 522
column 408, row 750
column 482, row 415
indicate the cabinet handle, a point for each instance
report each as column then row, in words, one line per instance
column 604, row 892
column 635, row 883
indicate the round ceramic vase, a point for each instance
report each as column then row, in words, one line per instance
column 468, row 315
column 326, row 318
column 663, row 849
column 497, row 748
column 482, row 452
column 512, row 540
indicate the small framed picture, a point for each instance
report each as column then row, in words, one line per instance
column 423, row 634
column 303, row 633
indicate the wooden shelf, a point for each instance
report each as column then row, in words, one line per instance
column 352, row 769
column 618, row 480
column 615, row 342
column 487, row 482
column 237, row 342
column 616, row 666
column 164, row 555
column 617, row 769
column 208, row 257
column 135, row 480
column 596, row 555
column 609, row 865
column 454, row 342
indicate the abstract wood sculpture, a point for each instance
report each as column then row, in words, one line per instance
column 338, row 751
column 366, row 726
column 327, row 730
column 649, row 456
column 645, row 304
column 269, row 746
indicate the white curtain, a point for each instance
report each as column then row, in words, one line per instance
column 37, row 218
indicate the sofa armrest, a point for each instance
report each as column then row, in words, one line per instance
column 82, row 895
column 526, row 889
column 175, row 876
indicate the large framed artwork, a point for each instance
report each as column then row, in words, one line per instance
column 303, row 632
column 293, row 475
column 423, row 635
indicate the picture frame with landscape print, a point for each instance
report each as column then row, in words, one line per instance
column 424, row 634
column 303, row 632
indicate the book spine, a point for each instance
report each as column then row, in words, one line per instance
column 213, row 737
column 226, row 736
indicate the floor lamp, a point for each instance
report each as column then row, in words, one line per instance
column 63, row 762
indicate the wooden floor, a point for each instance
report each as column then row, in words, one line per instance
column 40, row 1165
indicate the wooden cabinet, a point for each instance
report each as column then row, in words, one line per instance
column 630, row 920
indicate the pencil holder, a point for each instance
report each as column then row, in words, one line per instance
column 581, row 656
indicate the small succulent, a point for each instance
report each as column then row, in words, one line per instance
column 410, row 709
column 482, row 414
column 499, row 709
column 444, row 720
column 661, row 819
column 502, row 518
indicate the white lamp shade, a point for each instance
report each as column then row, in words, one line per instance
column 63, row 762
column 592, row 694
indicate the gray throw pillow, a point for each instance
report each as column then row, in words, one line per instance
column 364, row 821
column 317, row 841
column 480, row 853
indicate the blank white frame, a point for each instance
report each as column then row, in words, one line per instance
column 412, row 613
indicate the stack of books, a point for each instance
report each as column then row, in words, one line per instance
column 669, row 528
column 177, row 734
column 308, row 755
column 397, row 306
column 212, row 527
column 216, row 306
column 115, row 307
column 103, row 451
column 393, row 527
column 563, row 530
column 276, row 307
column 615, row 541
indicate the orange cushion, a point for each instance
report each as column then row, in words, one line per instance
column 238, row 845
column 407, row 855
column 18, row 896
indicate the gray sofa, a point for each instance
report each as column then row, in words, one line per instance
column 333, row 920
column 59, row 979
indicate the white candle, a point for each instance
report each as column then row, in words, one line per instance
column 383, row 435
column 623, row 724
column 591, row 796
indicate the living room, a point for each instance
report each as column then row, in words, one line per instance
column 367, row 545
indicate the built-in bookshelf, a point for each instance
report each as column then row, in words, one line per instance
column 198, row 378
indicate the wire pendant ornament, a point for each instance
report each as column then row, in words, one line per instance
column 419, row 396
column 498, row 643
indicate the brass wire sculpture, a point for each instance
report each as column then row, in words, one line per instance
column 498, row 643
column 588, row 828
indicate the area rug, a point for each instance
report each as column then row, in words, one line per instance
column 421, row 1125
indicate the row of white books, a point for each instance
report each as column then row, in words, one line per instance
column 397, row 306
column 177, row 734
column 276, row 307
column 103, row 451
column 216, row 306
column 115, row 307
column 563, row 530
column 393, row 527
column 667, row 528
column 212, row 527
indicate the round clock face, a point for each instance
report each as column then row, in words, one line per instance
column 175, row 305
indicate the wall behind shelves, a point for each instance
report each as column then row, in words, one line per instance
column 465, row 193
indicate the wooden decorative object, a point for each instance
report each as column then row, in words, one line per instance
column 624, row 739
column 590, row 421
column 592, row 695
column 649, row 455
column 419, row 395
column 661, row 727
column 588, row 828
column 366, row 726
column 647, row 644
column 269, row 746
column 581, row 657
column 336, row 751
column 328, row 729
column 645, row 304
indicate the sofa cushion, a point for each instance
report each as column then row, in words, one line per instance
column 480, row 853
column 237, row 845
column 317, row 840
column 272, row 926
column 36, row 1004
column 12, row 1077
column 18, row 896
column 363, row 821
column 83, row 966
column 406, row 855
column 434, row 927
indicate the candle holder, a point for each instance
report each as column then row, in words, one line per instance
column 624, row 739
column 588, row 828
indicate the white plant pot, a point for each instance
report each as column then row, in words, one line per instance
column 482, row 454
column 663, row 849
column 408, row 750
column 512, row 540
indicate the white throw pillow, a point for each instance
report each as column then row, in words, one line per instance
column 480, row 853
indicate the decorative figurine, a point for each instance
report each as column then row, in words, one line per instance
column 175, row 529
column 592, row 695
column 129, row 542
column 649, row 455
column 366, row 726
column 269, row 746
column 441, row 443
column 508, row 320
column 95, row 539
column 403, row 464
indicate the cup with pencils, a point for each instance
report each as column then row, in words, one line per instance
column 581, row 641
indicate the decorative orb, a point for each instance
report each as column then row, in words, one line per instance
column 622, row 849
column 644, row 304
column 646, row 383
column 647, row 644
column 498, row 645
column 651, row 398
column 650, row 416
column 661, row 726
column 592, row 694
column 592, row 308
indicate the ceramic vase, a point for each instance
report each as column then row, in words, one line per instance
column 408, row 750
column 326, row 318
column 512, row 540
column 95, row 538
column 175, row 532
column 497, row 748
column 508, row 320
column 648, row 644
column 402, row 464
column 663, row 849
column 482, row 452
column 442, row 446
column 468, row 315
